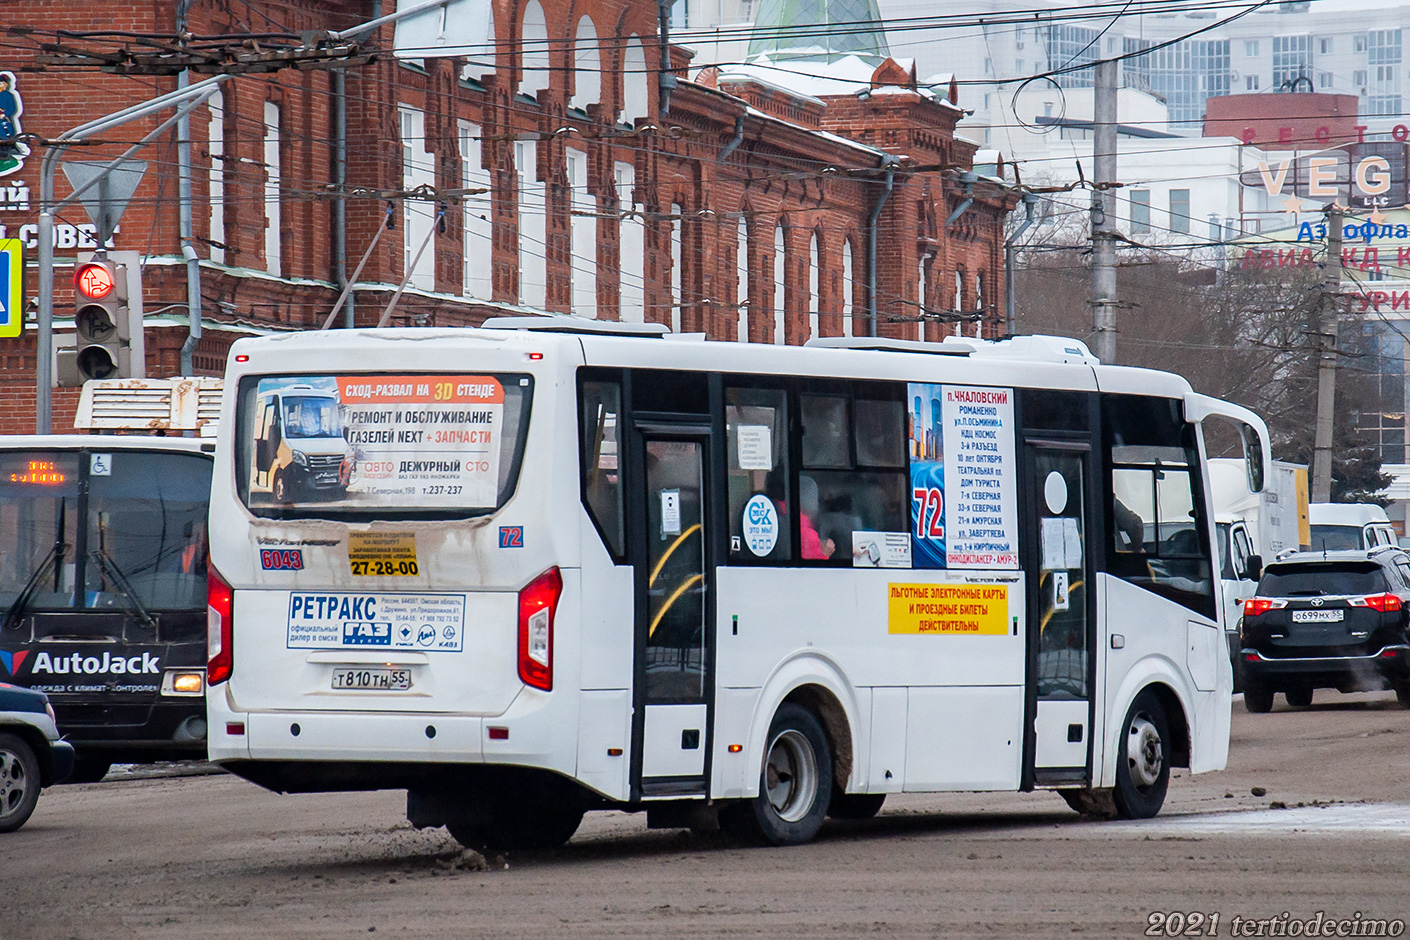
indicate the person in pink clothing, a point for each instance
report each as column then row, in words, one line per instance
column 813, row 545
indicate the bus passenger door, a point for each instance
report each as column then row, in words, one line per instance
column 1060, row 613
column 674, row 639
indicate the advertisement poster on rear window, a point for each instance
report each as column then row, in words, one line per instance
column 422, row 441
column 964, row 479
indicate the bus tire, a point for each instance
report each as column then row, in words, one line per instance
column 795, row 783
column 88, row 768
column 1258, row 700
column 1143, row 762
column 1097, row 803
column 854, row 805
column 538, row 827
column 19, row 782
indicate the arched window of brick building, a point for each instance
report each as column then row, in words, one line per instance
column 478, row 211
column 741, row 273
column 215, row 145
column 814, row 286
column 583, row 228
column 780, row 272
column 922, row 294
column 533, row 56
column 631, row 247
column 587, row 67
column 959, row 299
column 848, row 288
column 273, row 217
column 979, row 301
column 417, row 168
column 533, row 267
column 677, row 265
column 480, row 60
column 635, row 81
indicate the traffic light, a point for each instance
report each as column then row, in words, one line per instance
column 103, row 324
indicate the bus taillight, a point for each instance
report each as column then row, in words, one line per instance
column 538, row 603
column 220, row 622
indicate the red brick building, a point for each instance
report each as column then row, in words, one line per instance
column 542, row 175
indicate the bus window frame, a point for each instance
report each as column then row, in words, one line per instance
column 1203, row 603
column 247, row 394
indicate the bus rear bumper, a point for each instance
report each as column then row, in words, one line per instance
column 376, row 750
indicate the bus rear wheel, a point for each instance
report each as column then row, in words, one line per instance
column 794, row 784
column 1143, row 759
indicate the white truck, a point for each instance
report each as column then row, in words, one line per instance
column 1340, row 526
column 1253, row 528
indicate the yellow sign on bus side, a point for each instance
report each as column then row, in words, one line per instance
column 955, row 609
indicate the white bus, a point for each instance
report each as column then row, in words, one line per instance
column 587, row 566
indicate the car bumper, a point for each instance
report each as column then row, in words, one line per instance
column 61, row 761
column 1389, row 666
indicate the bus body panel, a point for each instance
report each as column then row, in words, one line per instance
column 846, row 611
column 886, row 767
column 983, row 750
column 604, row 742
column 805, row 667
column 481, row 678
column 606, row 661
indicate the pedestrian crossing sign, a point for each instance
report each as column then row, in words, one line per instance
column 11, row 287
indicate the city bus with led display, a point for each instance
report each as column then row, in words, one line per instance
column 582, row 566
column 102, row 590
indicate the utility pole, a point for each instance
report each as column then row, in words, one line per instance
column 1104, row 211
column 1324, row 338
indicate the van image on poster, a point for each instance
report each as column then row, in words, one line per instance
column 384, row 440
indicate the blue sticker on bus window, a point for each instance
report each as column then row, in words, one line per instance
column 511, row 536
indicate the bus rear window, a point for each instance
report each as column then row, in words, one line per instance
column 432, row 446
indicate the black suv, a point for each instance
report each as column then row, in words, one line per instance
column 1328, row 620
column 31, row 754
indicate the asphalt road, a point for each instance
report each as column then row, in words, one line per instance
column 212, row 856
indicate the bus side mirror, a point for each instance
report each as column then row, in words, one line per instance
column 1255, row 567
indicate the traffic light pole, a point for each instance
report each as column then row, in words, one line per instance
column 185, row 100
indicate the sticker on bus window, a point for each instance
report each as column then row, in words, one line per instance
column 383, row 554
column 881, row 549
column 955, row 609
column 754, row 444
column 964, row 479
column 427, row 441
column 760, row 525
column 335, row 620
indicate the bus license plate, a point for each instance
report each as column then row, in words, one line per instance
column 1317, row 616
column 375, row 680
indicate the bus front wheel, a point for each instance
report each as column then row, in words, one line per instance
column 794, row 785
column 1143, row 762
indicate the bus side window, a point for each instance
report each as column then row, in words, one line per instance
column 599, row 418
column 854, row 454
column 756, row 425
column 1156, row 526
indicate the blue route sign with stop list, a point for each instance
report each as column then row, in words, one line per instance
column 11, row 287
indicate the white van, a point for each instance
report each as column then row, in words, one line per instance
column 299, row 451
column 1343, row 526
